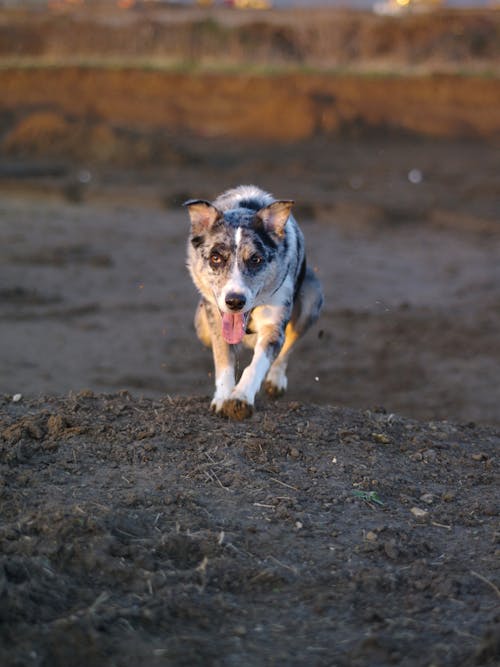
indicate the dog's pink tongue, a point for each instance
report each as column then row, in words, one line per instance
column 233, row 327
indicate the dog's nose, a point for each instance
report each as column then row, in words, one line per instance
column 235, row 301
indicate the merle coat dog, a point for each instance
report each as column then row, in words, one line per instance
column 246, row 257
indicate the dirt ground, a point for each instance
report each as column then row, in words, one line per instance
column 140, row 531
column 353, row 523
column 94, row 291
column 138, row 528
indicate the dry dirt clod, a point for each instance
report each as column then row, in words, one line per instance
column 479, row 456
column 56, row 424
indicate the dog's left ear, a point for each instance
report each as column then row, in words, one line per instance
column 203, row 215
column 275, row 216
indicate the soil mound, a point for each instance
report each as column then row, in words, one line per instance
column 149, row 530
column 117, row 87
column 88, row 113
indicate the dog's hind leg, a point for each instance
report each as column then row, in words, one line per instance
column 276, row 379
column 305, row 312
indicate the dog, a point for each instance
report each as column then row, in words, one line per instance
column 246, row 257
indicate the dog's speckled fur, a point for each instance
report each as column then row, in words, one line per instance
column 246, row 257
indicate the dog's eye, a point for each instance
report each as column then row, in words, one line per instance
column 216, row 260
column 255, row 260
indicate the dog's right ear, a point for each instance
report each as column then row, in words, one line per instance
column 203, row 215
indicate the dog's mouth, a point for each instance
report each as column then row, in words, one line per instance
column 234, row 327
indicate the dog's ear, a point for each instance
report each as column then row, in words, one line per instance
column 203, row 215
column 275, row 216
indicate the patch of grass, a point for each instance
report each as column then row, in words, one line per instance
column 370, row 497
column 229, row 67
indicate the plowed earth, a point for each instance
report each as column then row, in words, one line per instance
column 148, row 531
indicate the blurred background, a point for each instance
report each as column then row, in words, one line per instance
column 380, row 119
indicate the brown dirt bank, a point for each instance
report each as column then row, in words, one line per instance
column 140, row 531
column 129, row 115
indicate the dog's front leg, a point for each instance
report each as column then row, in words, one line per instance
column 224, row 373
column 240, row 404
column 208, row 328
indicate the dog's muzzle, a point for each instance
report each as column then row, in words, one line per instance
column 235, row 301
column 234, row 323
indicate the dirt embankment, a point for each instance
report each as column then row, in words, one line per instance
column 103, row 89
column 89, row 113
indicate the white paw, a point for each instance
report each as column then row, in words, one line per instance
column 218, row 401
column 236, row 409
column 240, row 395
column 216, row 404
column 276, row 382
column 236, row 406
column 224, row 387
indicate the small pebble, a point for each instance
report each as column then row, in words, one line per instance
column 419, row 513
column 16, row 398
column 415, row 176
column 382, row 438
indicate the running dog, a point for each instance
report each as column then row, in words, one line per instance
column 246, row 257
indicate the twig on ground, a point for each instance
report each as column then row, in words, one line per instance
column 486, row 581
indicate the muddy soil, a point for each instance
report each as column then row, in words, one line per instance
column 403, row 234
column 141, row 531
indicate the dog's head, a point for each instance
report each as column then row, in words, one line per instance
column 232, row 257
